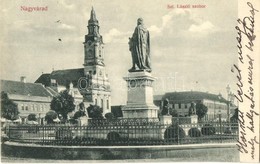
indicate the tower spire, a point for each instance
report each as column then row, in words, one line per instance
column 93, row 20
column 93, row 28
column 98, row 89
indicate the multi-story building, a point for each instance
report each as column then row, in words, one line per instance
column 89, row 84
column 181, row 102
column 29, row 97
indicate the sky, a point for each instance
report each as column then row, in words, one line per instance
column 191, row 49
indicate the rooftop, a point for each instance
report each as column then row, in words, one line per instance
column 192, row 96
column 62, row 77
column 22, row 88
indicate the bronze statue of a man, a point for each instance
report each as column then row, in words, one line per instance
column 139, row 45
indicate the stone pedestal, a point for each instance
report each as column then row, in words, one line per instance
column 194, row 119
column 140, row 96
column 186, row 120
column 166, row 120
column 83, row 121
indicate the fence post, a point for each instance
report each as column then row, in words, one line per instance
column 9, row 133
column 178, row 135
column 43, row 134
column 220, row 127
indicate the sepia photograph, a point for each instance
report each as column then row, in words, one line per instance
column 129, row 81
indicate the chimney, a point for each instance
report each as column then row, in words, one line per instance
column 23, row 79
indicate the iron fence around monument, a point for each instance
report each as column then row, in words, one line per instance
column 124, row 132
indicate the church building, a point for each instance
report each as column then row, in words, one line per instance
column 89, row 84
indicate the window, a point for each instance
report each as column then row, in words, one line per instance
column 95, row 101
column 102, row 103
column 185, row 106
column 107, row 104
column 22, row 107
column 179, row 105
column 26, row 107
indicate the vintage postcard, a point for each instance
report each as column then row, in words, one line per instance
column 130, row 81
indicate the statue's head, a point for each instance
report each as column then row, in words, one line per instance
column 140, row 21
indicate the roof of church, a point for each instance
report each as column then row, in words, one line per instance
column 192, row 96
column 22, row 88
column 62, row 77
column 44, row 79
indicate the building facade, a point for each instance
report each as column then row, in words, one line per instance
column 30, row 98
column 181, row 102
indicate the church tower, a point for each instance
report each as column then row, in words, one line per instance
column 98, row 87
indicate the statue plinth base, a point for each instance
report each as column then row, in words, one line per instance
column 140, row 96
column 166, row 119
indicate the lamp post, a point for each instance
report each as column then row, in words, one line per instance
column 220, row 123
column 228, row 102
column 39, row 119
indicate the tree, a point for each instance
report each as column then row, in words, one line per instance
column 208, row 129
column 109, row 116
column 32, row 117
column 201, row 110
column 79, row 114
column 174, row 133
column 50, row 116
column 95, row 112
column 63, row 104
column 234, row 118
column 9, row 109
column 174, row 113
column 194, row 132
